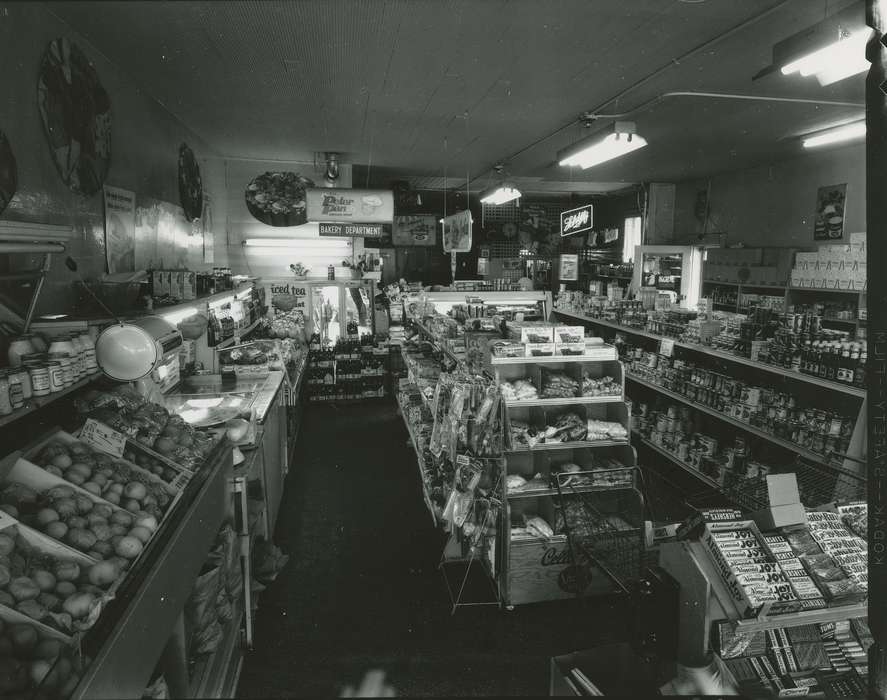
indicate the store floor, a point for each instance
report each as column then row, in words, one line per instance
column 362, row 589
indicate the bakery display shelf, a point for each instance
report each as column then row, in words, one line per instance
column 238, row 334
column 216, row 674
column 707, row 480
column 568, row 401
column 739, row 359
column 201, row 301
column 37, row 402
column 806, row 454
column 415, row 443
column 548, row 446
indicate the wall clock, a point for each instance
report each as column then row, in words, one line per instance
column 190, row 184
column 8, row 172
column 76, row 113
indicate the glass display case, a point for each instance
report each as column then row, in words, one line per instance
column 512, row 306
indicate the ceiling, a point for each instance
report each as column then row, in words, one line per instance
column 439, row 91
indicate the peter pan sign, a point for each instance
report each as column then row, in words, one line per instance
column 353, row 206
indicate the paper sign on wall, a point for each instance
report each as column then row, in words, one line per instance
column 666, row 347
column 103, row 438
column 457, row 232
column 120, row 226
column 569, row 267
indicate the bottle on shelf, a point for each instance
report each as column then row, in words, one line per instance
column 860, row 374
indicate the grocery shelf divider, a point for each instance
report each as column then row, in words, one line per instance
column 38, row 402
column 806, row 454
column 730, row 357
column 425, row 495
column 674, row 460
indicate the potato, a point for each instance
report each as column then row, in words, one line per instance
column 103, row 547
column 62, row 461
column 99, row 479
column 79, row 605
column 122, row 518
column 103, row 510
column 57, row 492
column 128, row 547
column 77, row 521
column 67, row 571
column 50, row 600
column 132, row 505
column 7, row 599
column 135, row 490
column 45, row 581
column 102, row 532
column 46, row 516
column 54, row 470
column 103, row 573
column 23, row 588
column 80, row 538
column 75, row 477
column 65, row 588
column 84, row 504
column 65, row 507
column 142, row 534
column 5, row 575
column 48, row 648
column 112, row 497
column 32, row 609
column 7, row 544
column 93, row 519
column 56, row 530
column 24, row 637
column 116, row 487
column 118, row 530
column 147, row 521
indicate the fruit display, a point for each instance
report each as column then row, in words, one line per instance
column 116, row 481
column 157, row 465
column 59, row 590
column 31, row 658
column 149, row 424
column 99, row 530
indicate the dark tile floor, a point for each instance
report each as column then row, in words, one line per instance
column 362, row 589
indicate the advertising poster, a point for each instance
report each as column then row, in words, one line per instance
column 457, row 232
column 339, row 204
column 414, row 229
column 830, row 205
column 569, row 268
column 120, row 223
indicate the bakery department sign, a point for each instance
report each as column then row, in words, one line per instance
column 331, row 204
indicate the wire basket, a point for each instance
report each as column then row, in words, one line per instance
column 604, row 528
column 817, row 484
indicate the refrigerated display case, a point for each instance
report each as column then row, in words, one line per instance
column 672, row 269
column 535, row 305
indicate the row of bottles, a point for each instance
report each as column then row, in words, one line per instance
column 224, row 322
column 843, row 362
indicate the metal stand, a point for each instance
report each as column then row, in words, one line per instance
column 239, row 488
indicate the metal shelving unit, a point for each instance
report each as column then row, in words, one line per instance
column 720, row 354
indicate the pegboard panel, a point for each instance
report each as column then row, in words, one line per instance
column 501, row 213
column 508, row 249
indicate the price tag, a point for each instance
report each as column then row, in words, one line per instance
column 666, row 347
column 103, row 438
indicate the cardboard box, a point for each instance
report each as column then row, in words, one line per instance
column 785, row 504
column 569, row 348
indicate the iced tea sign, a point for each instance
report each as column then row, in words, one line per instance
column 577, row 220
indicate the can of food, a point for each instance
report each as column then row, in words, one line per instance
column 39, row 374
column 56, row 376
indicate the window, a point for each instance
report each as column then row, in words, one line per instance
column 631, row 237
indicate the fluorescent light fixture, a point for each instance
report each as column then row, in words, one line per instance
column 297, row 243
column 834, row 62
column 500, row 195
column 598, row 149
column 836, row 134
